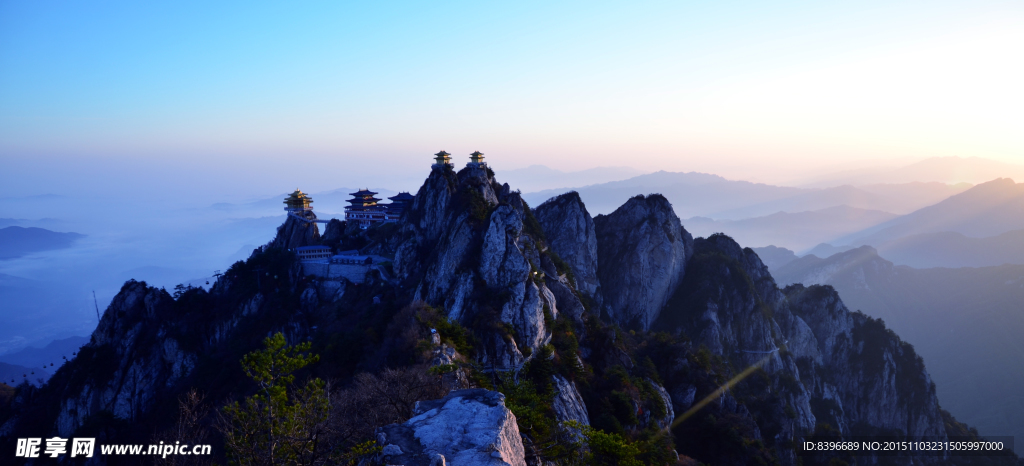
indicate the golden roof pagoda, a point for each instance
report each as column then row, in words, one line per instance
column 298, row 201
column 442, row 158
column 476, row 157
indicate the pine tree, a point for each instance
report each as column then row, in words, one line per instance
column 280, row 424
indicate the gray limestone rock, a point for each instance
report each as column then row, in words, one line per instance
column 502, row 261
column 137, row 374
column 333, row 232
column 812, row 348
column 670, row 414
column 642, row 253
column 881, row 382
column 471, row 237
column 466, row 428
column 295, row 232
column 568, row 403
column 570, row 232
column 567, row 301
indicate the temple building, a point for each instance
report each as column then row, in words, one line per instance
column 476, row 159
column 298, row 201
column 363, row 209
column 399, row 204
column 442, row 159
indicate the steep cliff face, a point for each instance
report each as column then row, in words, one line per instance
column 296, row 232
column 642, row 253
column 333, row 232
column 568, row 404
column 832, row 369
column 961, row 321
column 127, row 368
column 570, row 231
column 472, row 262
column 467, row 246
column 148, row 347
column 876, row 381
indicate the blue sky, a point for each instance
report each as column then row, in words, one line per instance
column 99, row 93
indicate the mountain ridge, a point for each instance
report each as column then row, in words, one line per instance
column 964, row 321
column 476, row 285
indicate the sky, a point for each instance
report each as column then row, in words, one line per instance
column 232, row 100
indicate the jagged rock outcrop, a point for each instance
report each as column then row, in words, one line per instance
column 570, row 232
column 139, row 355
column 427, row 218
column 333, row 232
column 642, row 253
column 566, row 300
column 471, row 247
column 664, row 420
column 295, row 232
column 829, row 366
column 466, row 428
column 568, row 404
column 465, row 247
column 875, row 379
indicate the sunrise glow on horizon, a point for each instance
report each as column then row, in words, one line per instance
column 736, row 88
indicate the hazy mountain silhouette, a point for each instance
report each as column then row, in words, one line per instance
column 775, row 257
column 53, row 353
column 937, row 169
column 17, row 241
column 538, row 177
column 952, row 249
column 966, row 322
column 699, row 194
column 797, row 231
column 12, row 374
column 895, row 198
column 826, row 250
column 987, row 209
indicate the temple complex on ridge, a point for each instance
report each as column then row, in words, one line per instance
column 364, row 210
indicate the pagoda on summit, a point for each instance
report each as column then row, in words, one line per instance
column 298, row 201
column 476, row 159
column 442, row 159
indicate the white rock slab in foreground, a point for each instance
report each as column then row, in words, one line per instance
column 467, row 427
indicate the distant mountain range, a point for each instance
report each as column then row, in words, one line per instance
column 775, row 257
column 987, row 209
column 966, row 323
column 18, row 241
column 35, row 364
column 801, row 230
column 539, row 177
column 702, row 195
column 950, row 170
column 981, row 226
column 53, row 353
column 12, row 374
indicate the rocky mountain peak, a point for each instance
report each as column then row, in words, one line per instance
column 297, row 230
column 642, row 254
column 475, row 268
column 570, row 232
